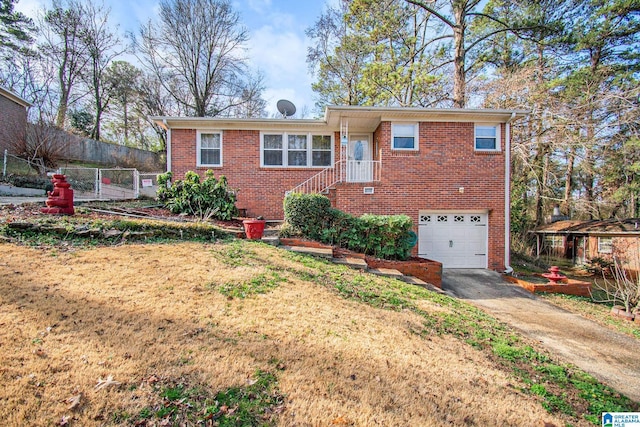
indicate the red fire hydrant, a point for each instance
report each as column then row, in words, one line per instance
column 60, row 200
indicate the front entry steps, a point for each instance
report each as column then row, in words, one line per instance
column 354, row 262
column 319, row 252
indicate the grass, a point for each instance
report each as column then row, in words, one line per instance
column 586, row 307
column 257, row 403
column 588, row 399
column 598, row 312
column 198, row 333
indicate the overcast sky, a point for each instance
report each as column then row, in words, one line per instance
column 278, row 45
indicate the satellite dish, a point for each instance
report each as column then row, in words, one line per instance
column 286, row 108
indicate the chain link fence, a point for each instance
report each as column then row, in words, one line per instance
column 91, row 183
column 111, row 184
column 13, row 165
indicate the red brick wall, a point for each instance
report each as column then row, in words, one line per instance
column 13, row 122
column 261, row 190
column 427, row 179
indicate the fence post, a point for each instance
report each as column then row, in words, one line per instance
column 98, row 191
column 4, row 165
column 136, row 183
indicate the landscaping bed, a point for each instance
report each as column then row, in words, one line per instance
column 424, row 269
column 538, row 284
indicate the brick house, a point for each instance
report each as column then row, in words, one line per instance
column 583, row 241
column 13, row 119
column 448, row 169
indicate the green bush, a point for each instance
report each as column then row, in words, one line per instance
column 308, row 213
column 27, row 181
column 383, row 236
column 210, row 198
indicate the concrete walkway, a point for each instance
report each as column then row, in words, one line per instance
column 611, row 357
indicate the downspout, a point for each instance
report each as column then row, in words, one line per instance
column 164, row 121
column 507, row 195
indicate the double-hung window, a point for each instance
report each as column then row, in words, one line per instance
column 320, row 150
column 487, row 137
column 404, row 136
column 605, row 245
column 272, row 150
column 296, row 150
column 209, row 148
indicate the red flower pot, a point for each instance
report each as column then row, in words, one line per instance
column 254, row 228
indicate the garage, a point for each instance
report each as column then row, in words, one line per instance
column 456, row 239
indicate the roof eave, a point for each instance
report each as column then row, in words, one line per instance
column 14, row 97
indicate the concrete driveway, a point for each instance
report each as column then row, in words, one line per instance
column 611, row 357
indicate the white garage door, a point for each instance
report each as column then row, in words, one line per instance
column 457, row 240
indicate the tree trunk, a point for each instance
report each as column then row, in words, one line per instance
column 63, row 105
column 459, row 61
column 568, row 180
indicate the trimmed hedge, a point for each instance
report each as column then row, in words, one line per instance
column 383, row 236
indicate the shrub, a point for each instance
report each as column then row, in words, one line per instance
column 307, row 213
column 382, row 236
column 210, row 198
column 28, row 181
column 623, row 288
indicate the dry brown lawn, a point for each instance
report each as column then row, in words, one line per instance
column 146, row 313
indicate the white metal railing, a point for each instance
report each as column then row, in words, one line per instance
column 323, row 180
column 342, row 171
column 363, row 170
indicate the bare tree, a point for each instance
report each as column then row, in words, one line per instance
column 63, row 31
column 42, row 147
column 102, row 48
column 197, row 53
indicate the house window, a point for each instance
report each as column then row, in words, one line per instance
column 487, row 138
column 296, row 150
column 605, row 245
column 209, row 149
column 554, row 241
column 272, row 150
column 404, row 136
column 297, row 155
column 321, row 150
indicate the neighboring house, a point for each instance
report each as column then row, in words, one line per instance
column 583, row 241
column 13, row 120
column 447, row 169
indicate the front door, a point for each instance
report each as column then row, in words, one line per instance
column 359, row 159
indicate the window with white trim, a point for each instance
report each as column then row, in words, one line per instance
column 404, row 136
column 272, row 153
column 321, row 150
column 487, row 137
column 297, row 150
column 209, row 148
column 605, row 245
column 554, row 241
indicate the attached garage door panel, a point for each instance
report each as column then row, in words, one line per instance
column 457, row 240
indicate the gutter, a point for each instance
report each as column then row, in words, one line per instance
column 507, row 194
column 166, row 126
